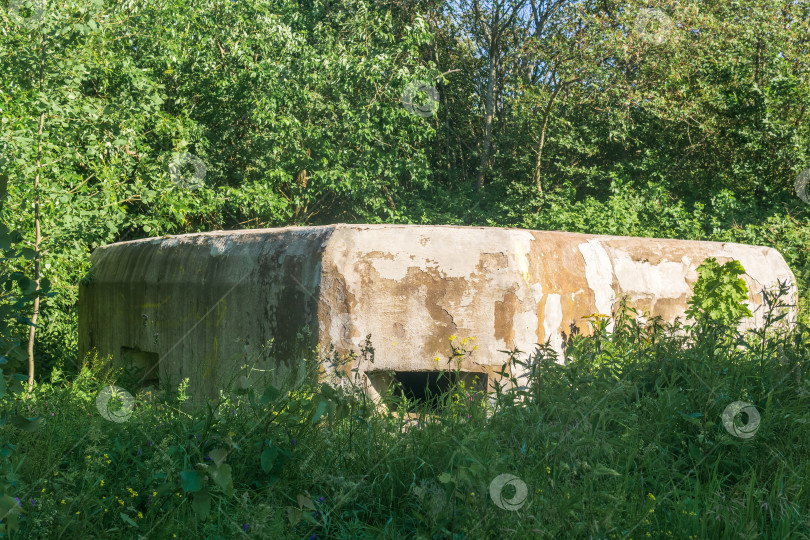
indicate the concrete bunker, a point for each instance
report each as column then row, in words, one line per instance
column 202, row 306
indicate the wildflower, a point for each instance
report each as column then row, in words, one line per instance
column 43, row 490
column 102, row 483
column 140, row 515
column 18, row 500
column 244, row 527
column 651, row 496
column 63, row 501
column 453, row 337
column 77, row 512
column 321, row 499
column 51, row 414
column 154, row 494
column 33, row 503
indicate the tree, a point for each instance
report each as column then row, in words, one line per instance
column 492, row 27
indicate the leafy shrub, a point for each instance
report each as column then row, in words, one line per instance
column 719, row 295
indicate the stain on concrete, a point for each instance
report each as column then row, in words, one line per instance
column 215, row 299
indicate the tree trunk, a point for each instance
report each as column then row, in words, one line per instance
column 38, row 240
column 489, row 114
column 3, row 190
column 546, row 116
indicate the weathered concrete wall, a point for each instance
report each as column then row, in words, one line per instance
column 203, row 304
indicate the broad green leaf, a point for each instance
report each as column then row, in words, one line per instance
column 268, row 458
column 271, row 393
column 223, row 478
column 201, row 503
column 218, row 455
column 29, row 425
column 322, row 405
column 192, row 481
column 128, row 520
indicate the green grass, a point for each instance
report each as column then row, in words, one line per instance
column 626, row 439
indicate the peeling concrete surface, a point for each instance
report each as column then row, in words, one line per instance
column 206, row 303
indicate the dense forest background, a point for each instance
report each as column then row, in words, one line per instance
column 123, row 120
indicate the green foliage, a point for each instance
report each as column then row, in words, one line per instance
column 719, row 295
column 626, row 437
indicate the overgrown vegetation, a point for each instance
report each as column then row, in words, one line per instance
column 628, row 438
column 293, row 112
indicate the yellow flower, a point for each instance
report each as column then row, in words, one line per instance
column 140, row 516
column 77, row 513
column 651, row 496
column 453, row 337
column 102, row 482
column 548, row 470
column 105, row 510
column 63, row 501
column 43, row 490
column 154, row 494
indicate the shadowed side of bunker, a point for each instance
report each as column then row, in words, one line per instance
column 202, row 306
